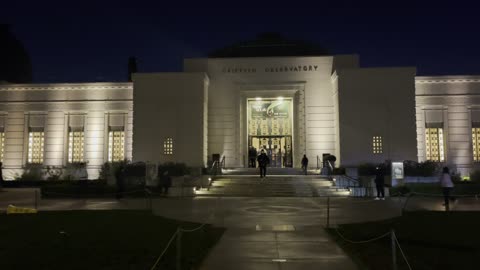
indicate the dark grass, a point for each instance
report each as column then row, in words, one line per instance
column 431, row 240
column 98, row 240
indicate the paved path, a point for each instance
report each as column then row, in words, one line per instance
column 262, row 233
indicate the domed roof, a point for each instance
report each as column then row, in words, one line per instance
column 15, row 66
column 268, row 45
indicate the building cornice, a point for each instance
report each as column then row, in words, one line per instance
column 446, row 79
column 67, row 86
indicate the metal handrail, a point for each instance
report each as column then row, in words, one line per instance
column 222, row 164
column 213, row 173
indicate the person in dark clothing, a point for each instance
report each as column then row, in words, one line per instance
column 120, row 181
column 263, row 161
column 165, row 183
column 305, row 164
column 252, row 156
column 380, row 183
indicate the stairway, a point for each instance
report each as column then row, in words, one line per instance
column 243, row 185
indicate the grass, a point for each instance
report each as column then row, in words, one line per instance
column 98, row 240
column 430, row 240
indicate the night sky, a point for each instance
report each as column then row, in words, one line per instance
column 89, row 43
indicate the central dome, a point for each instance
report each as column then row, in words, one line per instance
column 268, row 45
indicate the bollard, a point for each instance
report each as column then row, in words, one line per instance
column 328, row 212
column 36, row 199
column 394, row 251
column 179, row 249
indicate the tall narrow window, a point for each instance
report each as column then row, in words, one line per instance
column 476, row 143
column 434, row 144
column 168, row 146
column 116, row 145
column 35, row 147
column 2, row 145
column 377, row 145
column 75, row 145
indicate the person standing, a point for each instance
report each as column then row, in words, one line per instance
column 263, row 161
column 447, row 186
column 120, row 181
column 165, row 182
column 380, row 183
column 304, row 164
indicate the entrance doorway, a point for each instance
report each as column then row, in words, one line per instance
column 277, row 148
column 270, row 122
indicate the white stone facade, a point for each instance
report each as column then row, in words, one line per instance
column 337, row 108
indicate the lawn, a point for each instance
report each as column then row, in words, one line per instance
column 430, row 240
column 461, row 188
column 98, row 240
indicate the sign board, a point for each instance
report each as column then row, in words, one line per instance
column 270, row 109
column 397, row 170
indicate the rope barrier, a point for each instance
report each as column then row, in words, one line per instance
column 363, row 241
column 165, row 249
column 107, row 193
column 401, row 251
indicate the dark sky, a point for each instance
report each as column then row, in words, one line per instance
column 92, row 42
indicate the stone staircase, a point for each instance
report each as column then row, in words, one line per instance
column 244, row 185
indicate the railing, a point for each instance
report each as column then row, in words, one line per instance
column 213, row 172
column 222, row 163
column 318, row 162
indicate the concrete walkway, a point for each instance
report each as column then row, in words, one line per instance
column 262, row 232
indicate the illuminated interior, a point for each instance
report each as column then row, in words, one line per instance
column 35, row 147
column 168, row 146
column 476, row 143
column 377, row 145
column 116, row 146
column 434, row 144
column 75, row 146
column 270, row 129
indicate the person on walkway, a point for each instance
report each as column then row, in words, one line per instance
column 380, row 183
column 447, row 186
column 165, row 182
column 304, row 164
column 263, row 161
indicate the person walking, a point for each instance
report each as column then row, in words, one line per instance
column 263, row 161
column 380, row 183
column 165, row 183
column 305, row 164
column 447, row 186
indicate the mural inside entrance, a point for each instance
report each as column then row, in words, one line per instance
column 270, row 129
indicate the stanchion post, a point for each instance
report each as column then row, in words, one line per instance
column 328, row 212
column 36, row 199
column 179, row 250
column 394, row 250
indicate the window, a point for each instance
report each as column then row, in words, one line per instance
column 35, row 147
column 434, row 144
column 168, row 146
column 476, row 143
column 377, row 145
column 75, row 146
column 2, row 145
column 116, row 146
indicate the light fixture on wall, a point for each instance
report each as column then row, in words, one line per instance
column 280, row 98
column 258, row 99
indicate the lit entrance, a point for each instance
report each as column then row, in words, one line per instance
column 270, row 129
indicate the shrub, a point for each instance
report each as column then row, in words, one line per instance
column 174, row 169
column 75, row 171
column 32, row 172
column 475, row 176
column 53, row 173
column 366, row 169
column 426, row 168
